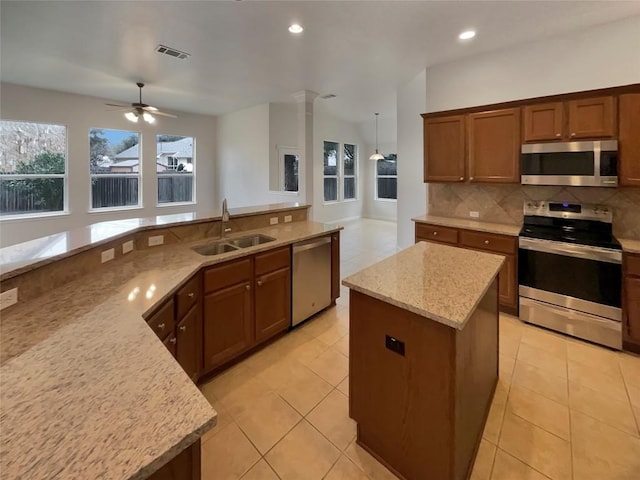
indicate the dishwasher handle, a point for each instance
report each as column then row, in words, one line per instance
column 309, row 244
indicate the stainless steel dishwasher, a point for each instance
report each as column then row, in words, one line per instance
column 311, row 283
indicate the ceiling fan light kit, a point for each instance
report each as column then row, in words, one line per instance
column 140, row 109
column 377, row 155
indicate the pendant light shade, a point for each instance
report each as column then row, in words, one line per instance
column 377, row 155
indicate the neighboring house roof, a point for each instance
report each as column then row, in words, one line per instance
column 180, row 148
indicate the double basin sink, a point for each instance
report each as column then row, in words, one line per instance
column 224, row 246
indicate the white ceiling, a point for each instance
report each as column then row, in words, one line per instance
column 243, row 55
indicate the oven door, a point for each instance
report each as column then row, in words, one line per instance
column 579, row 277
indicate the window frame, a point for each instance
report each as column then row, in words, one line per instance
column 138, row 175
column 355, row 172
column 26, row 176
column 284, row 150
column 377, row 198
column 336, row 176
column 194, row 197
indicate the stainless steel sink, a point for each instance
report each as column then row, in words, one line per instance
column 224, row 246
column 251, row 241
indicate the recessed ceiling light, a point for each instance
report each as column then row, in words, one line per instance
column 466, row 35
column 295, row 28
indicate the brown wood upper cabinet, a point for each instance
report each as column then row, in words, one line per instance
column 494, row 146
column 444, row 149
column 571, row 120
column 629, row 139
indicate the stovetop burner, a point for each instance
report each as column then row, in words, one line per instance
column 576, row 223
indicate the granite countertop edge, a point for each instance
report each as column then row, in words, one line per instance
column 478, row 225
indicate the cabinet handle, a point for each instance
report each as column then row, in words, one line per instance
column 435, row 234
column 173, row 340
column 573, row 134
column 191, row 294
column 486, row 242
column 161, row 326
column 461, row 178
column 558, row 134
column 259, row 282
column 248, row 287
column 183, row 328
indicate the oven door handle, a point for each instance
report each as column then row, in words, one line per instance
column 571, row 250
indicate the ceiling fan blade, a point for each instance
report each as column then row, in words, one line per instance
column 117, row 105
column 149, row 108
column 162, row 114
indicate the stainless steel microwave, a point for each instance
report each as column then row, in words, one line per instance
column 580, row 164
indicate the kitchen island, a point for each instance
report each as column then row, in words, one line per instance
column 423, row 360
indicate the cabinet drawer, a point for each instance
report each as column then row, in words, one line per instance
column 436, row 233
column 162, row 321
column 187, row 296
column 488, row 241
column 272, row 260
column 632, row 264
column 227, row 274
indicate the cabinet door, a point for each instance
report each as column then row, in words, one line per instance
column 592, row 118
column 273, row 303
column 335, row 266
column 228, row 324
column 444, row 149
column 189, row 344
column 185, row 466
column 629, row 139
column 494, row 146
column 170, row 343
column 543, row 121
column 507, row 283
column 632, row 307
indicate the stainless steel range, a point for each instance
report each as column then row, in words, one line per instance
column 570, row 271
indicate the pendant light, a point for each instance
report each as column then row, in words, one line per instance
column 377, row 155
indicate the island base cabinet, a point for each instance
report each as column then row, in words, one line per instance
column 419, row 390
column 185, row 466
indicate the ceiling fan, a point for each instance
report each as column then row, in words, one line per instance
column 140, row 109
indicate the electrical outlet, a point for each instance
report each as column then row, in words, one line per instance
column 127, row 247
column 473, row 214
column 273, row 221
column 8, row 298
column 108, row 255
column 287, row 218
column 156, row 240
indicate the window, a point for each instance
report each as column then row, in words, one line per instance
column 114, row 165
column 387, row 178
column 175, row 162
column 330, row 171
column 33, row 158
column 349, row 171
column 291, row 162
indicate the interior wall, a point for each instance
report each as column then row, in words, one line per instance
column 80, row 113
column 283, row 132
column 330, row 128
column 242, row 171
column 412, row 191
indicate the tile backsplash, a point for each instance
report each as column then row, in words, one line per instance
column 503, row 203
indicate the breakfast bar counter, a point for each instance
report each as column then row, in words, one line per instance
column 423, row 359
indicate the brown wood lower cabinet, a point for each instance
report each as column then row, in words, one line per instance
column 631, row 303
column 189, row 342
column 335, row 266
column 487, row 242
column 228, row 323
column 185, row 466
column 273, row 303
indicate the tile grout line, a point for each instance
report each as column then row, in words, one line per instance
column 573, row 468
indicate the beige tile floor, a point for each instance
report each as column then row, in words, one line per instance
column 563, row 409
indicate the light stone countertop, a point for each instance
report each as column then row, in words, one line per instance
column 630, row 246
column 439, row 282
column 40, row 251
column 479, row 225
column 87, row 390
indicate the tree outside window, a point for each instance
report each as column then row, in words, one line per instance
column 349, row 171
column 32, row 168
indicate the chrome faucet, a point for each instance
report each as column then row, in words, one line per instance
column 225, row 219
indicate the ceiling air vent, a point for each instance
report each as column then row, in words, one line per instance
column 172, row 52
column 328, row 96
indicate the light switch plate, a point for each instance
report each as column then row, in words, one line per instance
column 156, row 240
column 473, row 214
column 8, row 298
column 108, row 255
column 127, row 247
column 287, row 218
column 273, row 221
